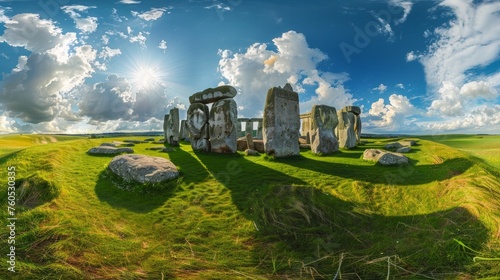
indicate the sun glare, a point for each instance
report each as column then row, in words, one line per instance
column 146, row 76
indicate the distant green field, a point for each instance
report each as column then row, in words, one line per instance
column 486, row 147
column 238, row 217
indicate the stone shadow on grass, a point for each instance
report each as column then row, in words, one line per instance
column 409, row 174
column 300, row 229
column 133, row 201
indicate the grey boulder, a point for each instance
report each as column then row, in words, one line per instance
column 143, row 169
column 385, row 157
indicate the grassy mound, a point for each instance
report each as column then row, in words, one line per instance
column 237, row 217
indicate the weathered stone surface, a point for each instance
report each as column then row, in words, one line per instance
column 281, row 123
column 259, row 130
column 143, row 169
column 249, row 127
column 211, row 95
column 222, row 123
column 165, row 127
column 168, row 149
column 135, row 141
column 108, row 144
column 357, row 128
column 384, row 157
column 250, row 141
column 408, row 143
column 323, row 122
column 183, row 133
column 345, row 130
column 305, row 127
column 259, row 146
column 197, row 121
column 107, row 150
column 172, row 132
column 353, row 109
column 403, row 150
column 200, row 145
column 250, row 152
column 156, row 148
column 393, row 146
column 305, row 146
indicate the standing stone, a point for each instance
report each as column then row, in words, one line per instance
column 211, row 95
column 281, row 122
column 357, row 128
column 345, row 130
column 323, row 122
column 222, row 124
column 172, row 133
column 183, row 134
column 250, row 145
column 165, row 126
column 353, row 109
column 197, row 126
column 259, row 130
column 249, row 127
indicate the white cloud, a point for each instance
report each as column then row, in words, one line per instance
column 3, row 17
column 411, row 56
column 482, row 119
column 35, row 34
column 400, row 85
column 219, row 6
column 110, row 100
column 392, row 116
column 36, row 90
column 471, row 39
column 108, row 52
column 162, row 45
column 406, row 6
column 105, row 39
column 454, row 101
column 129, row 2
column 381, row 88
column 153, row 14
column 139, row 38
column 85, row 24
column 7, row 124
column 257, row 69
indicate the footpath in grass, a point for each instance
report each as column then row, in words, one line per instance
column 237, row 217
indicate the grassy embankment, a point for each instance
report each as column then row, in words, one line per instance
column 236, row 217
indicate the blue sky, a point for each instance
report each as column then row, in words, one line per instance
column 420, row 67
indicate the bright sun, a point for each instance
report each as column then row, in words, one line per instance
column 145, row 77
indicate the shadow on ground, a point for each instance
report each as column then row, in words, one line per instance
column 303, row 231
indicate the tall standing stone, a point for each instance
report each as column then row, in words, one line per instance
column 197, row 126
column 165, row 127
column 345, row 129
column 281, row 122
column 357, row 121
column 323, row 122
column 249, row 127
column 172, row 133
column 259, row 130
column 183, row 133
column 222, row 123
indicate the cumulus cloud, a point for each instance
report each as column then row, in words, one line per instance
column 7, row 124
column 411, row 56
column 108, row 52
column 109, row 100
column 258, row 68
column 381, row 88
column 400, row 85
column 36, row 89
column 153, row 14
column 35, row 34
column 85, row 24
column 392, row 116
column 451, row 100
column 162, row 45
column 485, row 118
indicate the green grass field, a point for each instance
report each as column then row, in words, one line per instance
column 237, row 217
